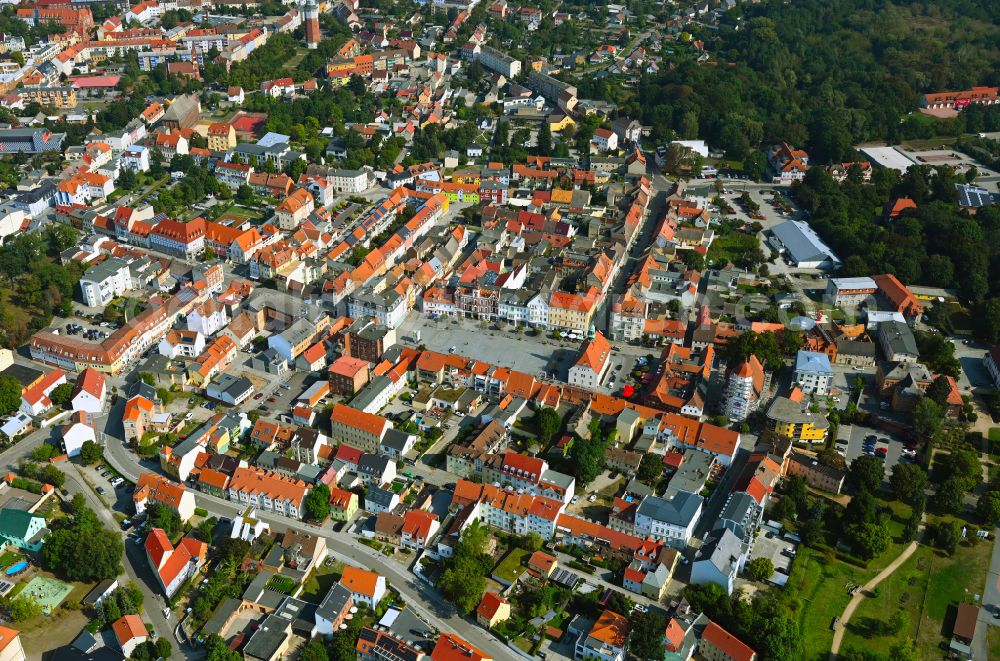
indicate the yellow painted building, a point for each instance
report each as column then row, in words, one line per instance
column 56, row 97
column 572, row 311
column 792, row 420
column 560, row 122
column 221, row 137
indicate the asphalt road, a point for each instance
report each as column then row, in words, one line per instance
column 135, row 565
column 425, row 601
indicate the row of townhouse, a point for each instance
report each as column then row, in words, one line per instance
column 124, row 346
column 555, row 310
column 506, row 509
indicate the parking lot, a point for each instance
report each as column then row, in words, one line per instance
column 116, row 491
column 540, row 355
column 85, row 329
column 479, row 340
column 769, row 544
column 855, row 436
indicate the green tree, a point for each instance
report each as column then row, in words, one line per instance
column 988, row 507
column 544, row 147
column 645, row 640
column 244, row 194
column 899, row 621
column 867, row 473
column 314, row 651
column 61, row 394
column 90, row 453
column 24, row 607
column 908, row 482
column 10, row 395
column 650, row 469
column 870, row 539
column 945, row 535
column 939, row 390
column 316, row 505
column 949, row 496
column 760, row 569
column 549, row 421
column 127, row 180
column 463, row 580
column 216, row 649
column 904, row 650
column 588, row 458
column 160, row 516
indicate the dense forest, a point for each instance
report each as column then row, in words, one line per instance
column 826, row 74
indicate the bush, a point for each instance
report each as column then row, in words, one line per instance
column 200, row 511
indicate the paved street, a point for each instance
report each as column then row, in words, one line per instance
column 426, row 602
column 136, row 567
column 991, row 601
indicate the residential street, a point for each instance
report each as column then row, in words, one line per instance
column 990, row 602
column 345, row 548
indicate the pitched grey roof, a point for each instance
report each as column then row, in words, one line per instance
column 334, row 601
column 677, row 508
column 723, row 549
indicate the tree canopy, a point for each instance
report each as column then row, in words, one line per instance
column 82, row 536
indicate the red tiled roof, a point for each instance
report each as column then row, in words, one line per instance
column 490, row 604
column 128, row 627
column 452, row 648
column 157, row 545
column 727, row 643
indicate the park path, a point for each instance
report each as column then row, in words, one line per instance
column 852, row 605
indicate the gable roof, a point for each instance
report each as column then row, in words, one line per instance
column 490, row 604
column 729, row 644
column 360, row 581
column 450, row 647
column 129, row 627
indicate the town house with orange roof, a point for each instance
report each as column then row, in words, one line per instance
column 174, row 237
column 717, row 644
column 787, row 163
column 172, row 565
column 366, row 587
column 530, row 475
column 492, row 610
column 357, row 428
column 152, row 488
column 129, row 630
column 419, row 527
column 268, row 492
column 605, row 639
column 743, row 389
column 221, row 137
column 897, row 297
column 592, row 364
column 90, row 392
column 682, row 385
column 507, row 510
column 682, row 432
column 294, row 209
column 450, row 647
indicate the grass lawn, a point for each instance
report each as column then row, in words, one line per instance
column 927, row 587
column 9, row 558
column 820, row 582
column 730, row 246
column 320, row 581
column 993, row 642
column 512, row 566
column 995, row 433
column 523, row 644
